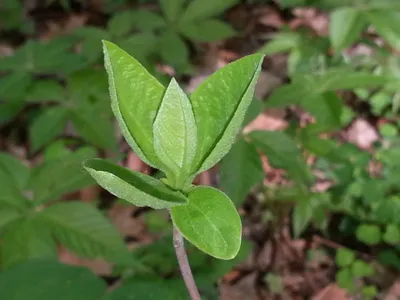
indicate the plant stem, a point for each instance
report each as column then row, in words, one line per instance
column 184, row 265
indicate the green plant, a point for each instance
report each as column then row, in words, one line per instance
column 182, row 138
column 32, row 219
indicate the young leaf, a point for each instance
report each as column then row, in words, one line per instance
column 282, row 42
column 45, row 280
column 369, row 234
column 175, row 132
column 134, row 187
column 240, row 170
column 130, row 84
column 346, row 24
column 83, row 229
column 26, row 240
column 210, row 221
column 219, row 104
column 207, row 31
column 202, row 9
column 302, row 215
column 46, row 126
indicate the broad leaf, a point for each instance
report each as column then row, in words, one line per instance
column 84, row 230
column 15, row 169
column 26, row 240
column 175, row 132
column 140, row 289
column 386, row 23
column 58, row 176
column 174, row 50
column 282, row 152
column 95, row 127
column 131, row 84
column 121, row 24
column 240, row 170
column 134, row 187
column 220, row 104
column 14, row 86
column 172, row 8
column 47, row 126
column 208, row 31
column 45, row 90
column 210, row 221
column 48, row 280
column 146, row 20
column 346, row 24
column 7, row 216
column 204, row 9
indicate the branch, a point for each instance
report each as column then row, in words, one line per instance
column 184, row 265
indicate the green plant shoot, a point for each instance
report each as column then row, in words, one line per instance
column 182, row 136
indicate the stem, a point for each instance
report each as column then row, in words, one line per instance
column 184, row 265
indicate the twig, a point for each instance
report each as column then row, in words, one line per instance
column 184, row 265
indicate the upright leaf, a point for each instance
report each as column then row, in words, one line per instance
column 135, row 99
column 219, row 104
column 174, row 49
column 240, row 170
column 202, row 9
column 46, row 280
column 84, row 230
column 175, row 132
column 346, row 24
column 210, row 221
column 134, row 187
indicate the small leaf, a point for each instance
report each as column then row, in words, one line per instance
column 344, row 257
column 208, row 31
column 346, row 24
column 47, row 126
column 130, row 84
column 84, row 230
column 175, row 132
column 240, row 170
column 202, row 9
column 134, row 187
column 302, row 216
column 45, row 280
column 210, row 222
column 345, row 280
column 392, row 234
column 368, row 234
column 361, row 269
column 172, row 8
column 219, row 105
